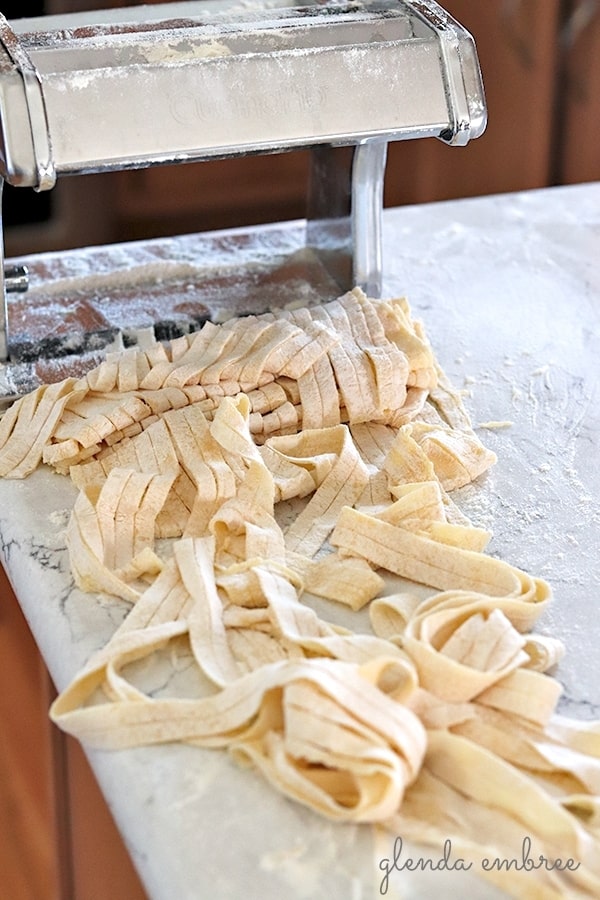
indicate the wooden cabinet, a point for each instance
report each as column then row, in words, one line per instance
column 28, row 861
column 57, row 837
column 578, row 127
column 517, row 47
column 211, row 195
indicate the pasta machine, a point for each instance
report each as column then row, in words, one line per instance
column 189, row 81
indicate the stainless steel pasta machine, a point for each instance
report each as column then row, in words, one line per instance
column 188, row 81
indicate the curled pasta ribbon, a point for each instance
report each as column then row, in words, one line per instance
column 461, row 653
column 523, row 611
column 324, row 732
column 422, row 452
column 468, row 646
column 244, row 527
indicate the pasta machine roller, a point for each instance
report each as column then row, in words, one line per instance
column 188, row 81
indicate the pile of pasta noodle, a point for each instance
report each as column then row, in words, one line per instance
column 230, row 475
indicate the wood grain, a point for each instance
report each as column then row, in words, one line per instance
column 58, row 840
column 28, row 864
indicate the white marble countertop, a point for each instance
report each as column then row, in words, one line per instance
column 509, row 290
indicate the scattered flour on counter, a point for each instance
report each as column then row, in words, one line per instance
column 59, row 517
column 494, row 426
column 279, row 858
column 543, row 370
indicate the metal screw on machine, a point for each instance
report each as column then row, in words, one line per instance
column 83, row 92
column 16, row 279
column 13, row 280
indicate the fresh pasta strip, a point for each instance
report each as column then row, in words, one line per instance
column 503, row 815
column 339, row 476
column 390, row 615
column 418, row 507
column 365, row 378
column 318, row 396
column 227, row 364
column 583, row 736
column 515, row 692
column 466, row 536
column 458, row 457
column 411, row 409
column 406, row 462
column 255, row 646
column 364, row 748
column 378, row 364
column 145, row 565
column 309, row 347
column 421, row 559
column 29, row 424
column 230, row 428
column 290, row 480
column 111, row 532
column 373, row 441
column 447, row 401
column 404, row 332
column 208, row 638
column 544, row 652
column 165, row 600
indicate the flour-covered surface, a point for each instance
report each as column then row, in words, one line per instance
column 509, row 290
column 82, row 304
